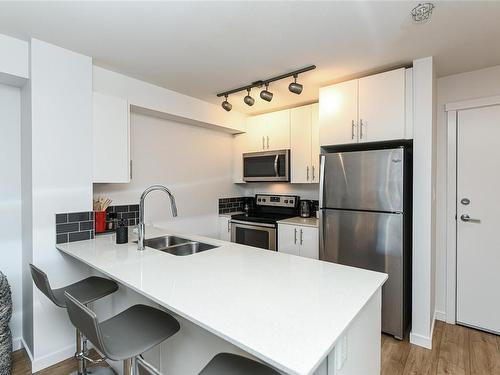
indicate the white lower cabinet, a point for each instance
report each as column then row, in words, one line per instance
column 224, row 228
column 298, row 240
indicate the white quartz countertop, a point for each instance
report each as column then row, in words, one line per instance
column 304, row 221
column 286, row 310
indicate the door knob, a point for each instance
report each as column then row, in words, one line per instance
column 468, row 219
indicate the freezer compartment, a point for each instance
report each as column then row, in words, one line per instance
column 363, row 180
column 372, row 241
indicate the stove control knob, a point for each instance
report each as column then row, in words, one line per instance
column 286, row 200
column 291, row 201
column 263, row 199
column 258, row 200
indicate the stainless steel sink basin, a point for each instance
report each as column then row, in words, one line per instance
column 177, row 245
column 189, row 248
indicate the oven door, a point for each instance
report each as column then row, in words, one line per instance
column 257, row 235
column 266, row 166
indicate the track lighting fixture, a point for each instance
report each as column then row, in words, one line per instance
column 248, row 99
column 226, row 105
column 295, row 87
column 266, row 94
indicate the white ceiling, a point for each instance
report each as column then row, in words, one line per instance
column 201, row 48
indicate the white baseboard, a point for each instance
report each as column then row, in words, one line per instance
column 26, row 348
column 17, row 343
column 440, row 315
column 52, row 358
column 421, row 340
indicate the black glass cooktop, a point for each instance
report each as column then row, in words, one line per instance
column 261, row 217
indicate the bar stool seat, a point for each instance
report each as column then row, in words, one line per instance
column 136, row 330
column 232, row 364
column 86, row 291
column 125, row 336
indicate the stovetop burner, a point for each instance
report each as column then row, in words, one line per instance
column 259, row 217
column 271, row 208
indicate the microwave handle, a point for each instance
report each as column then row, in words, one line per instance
column 276, row 165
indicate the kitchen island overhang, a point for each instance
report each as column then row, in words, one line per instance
column 293, row 313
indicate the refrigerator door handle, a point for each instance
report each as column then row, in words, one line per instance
column 321, row 179
column 321, row 236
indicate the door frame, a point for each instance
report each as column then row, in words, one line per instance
column 452, row 110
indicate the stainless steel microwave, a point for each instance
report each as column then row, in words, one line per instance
column 266, row 166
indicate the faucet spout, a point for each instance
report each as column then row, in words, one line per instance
column 141, row 226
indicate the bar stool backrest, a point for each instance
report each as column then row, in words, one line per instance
column 42, row 283
column 85, row 320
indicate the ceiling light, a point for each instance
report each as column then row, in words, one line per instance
column 295, row 87
column 248, row 99
column 226, row 105
column 266, row 94
column 422, row 12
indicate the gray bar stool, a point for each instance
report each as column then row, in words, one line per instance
column 125, row 336
column 87, row 290
column 232, row 364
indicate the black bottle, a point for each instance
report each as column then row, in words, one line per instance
column 122, row 231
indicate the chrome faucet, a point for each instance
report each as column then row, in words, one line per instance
column 141, row 226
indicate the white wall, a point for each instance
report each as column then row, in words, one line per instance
column 167, row 103
column 10, row 200
column 457, row 87
column 13, row 60
column 59, row 169
column 305, row 191
column 424, row 202
column 194, row 162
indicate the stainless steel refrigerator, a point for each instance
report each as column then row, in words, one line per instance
column 365, row 222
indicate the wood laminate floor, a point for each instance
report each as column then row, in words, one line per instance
column 456, row 350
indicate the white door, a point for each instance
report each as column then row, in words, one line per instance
column 478, row 207
column 382, row 106
column 278, row 130
column 309, row 242
column 288, row 239
column 300, row 125
column 338, row 113
column 315, row 148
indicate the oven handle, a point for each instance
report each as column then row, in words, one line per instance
column 276, row 165
column 251, row 224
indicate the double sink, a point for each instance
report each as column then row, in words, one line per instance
column 177, row 245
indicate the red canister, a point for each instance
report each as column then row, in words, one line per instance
column 100, row 221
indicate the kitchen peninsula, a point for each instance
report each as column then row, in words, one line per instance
column 298, row 315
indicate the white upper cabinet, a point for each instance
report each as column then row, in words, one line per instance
column 304, row 140
column 382, row 106
column 315, row 145
column 300, row 130
column 111, row 139
column 369, row 109
column 338, row 113
column 270, row 131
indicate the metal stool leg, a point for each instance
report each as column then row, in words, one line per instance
column 79, row 353
column 127, row 367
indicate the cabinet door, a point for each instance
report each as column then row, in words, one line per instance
column 309, row 242
column 224, row 228
column 288, row 239
column 382, row 106
column 300, row 136
column 256, row 130
column 338, row 113
column 111, row 143
column 278, row 130
column 239, row 147
column 315, row 147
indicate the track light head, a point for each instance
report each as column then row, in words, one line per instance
column 266, row 95
column 295, row 87
column 248, row 99
column 226, row 105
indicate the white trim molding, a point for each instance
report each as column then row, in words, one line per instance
column 472, row 103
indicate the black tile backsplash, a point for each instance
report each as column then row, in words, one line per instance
column 228, row 205
column 129, row 212
column 74, row 226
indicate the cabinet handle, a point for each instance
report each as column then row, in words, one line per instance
column 130, row 169
column 301, row 236
column 313, row 172
column 360, row 129
column 353, row 127
column 307, row 173
column 295, row 235
column 263, row 145
column 268, row 142
column 229, row 226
